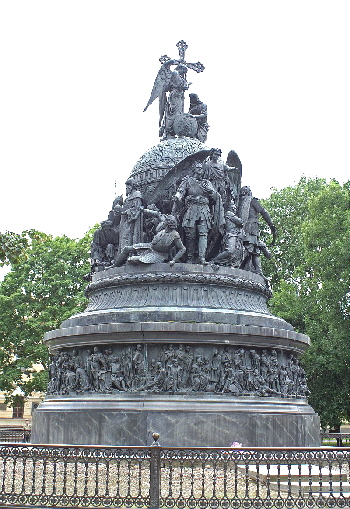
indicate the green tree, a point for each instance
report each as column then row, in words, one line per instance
column 41, row 291
column 310, row 278
column 13, row 246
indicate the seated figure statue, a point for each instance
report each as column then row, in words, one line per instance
column 165, row 245
column 104, row 245
column 232, row 253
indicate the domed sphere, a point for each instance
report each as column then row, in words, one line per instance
column 153, row 166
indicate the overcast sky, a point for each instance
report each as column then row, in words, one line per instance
column 76, row 76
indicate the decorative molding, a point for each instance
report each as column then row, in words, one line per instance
column 178, row 277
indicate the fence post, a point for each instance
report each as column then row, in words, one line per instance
column 155, row 472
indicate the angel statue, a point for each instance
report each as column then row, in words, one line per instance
column 226, row 178
column 169, row 86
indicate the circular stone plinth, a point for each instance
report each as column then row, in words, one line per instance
column 182, row 293
column 176, row 333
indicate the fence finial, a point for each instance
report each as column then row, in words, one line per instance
column 155, row 437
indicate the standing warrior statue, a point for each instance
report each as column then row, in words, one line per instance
column 196, row 193
column 174, row 83
column 249, row 210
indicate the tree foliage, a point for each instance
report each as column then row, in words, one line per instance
column 13, row 246
column 42, row 289
column 310, row 276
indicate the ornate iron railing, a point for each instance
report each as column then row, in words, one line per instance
column 338, row 439
column 118, row 477
column 14, row 434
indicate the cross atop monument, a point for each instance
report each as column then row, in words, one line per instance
column 182, row 47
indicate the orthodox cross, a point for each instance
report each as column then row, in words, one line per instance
column 182, row 47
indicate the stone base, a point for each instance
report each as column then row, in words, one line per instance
column 185, row 351
column 181, row 421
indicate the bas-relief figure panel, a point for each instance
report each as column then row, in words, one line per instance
column 177, row 369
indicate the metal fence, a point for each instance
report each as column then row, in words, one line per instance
column 14, row 434
column 118, row 477
column 336, row 439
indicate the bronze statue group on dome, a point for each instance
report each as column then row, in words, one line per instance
column 209, row 217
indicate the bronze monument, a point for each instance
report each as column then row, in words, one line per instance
column 177, row 336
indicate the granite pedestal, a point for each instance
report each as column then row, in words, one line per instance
column 220, row 320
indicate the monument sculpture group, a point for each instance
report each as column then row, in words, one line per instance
column 177, row 336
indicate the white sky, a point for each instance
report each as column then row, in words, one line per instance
column 76, row 75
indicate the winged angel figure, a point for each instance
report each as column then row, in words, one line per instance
column 169, row 86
